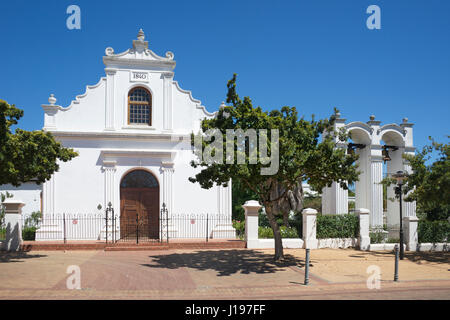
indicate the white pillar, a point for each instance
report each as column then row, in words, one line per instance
column 335, row 200
column 309, row 217
column 48, row 196
column 376, row 188
column 13, row 215
column 109, row 107
column 251, row 209
column 109, row 168
column 411, row 235
column 167, row 187
column 167, row 100
column 364, row 238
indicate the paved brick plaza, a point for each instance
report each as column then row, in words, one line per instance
column 221, row 274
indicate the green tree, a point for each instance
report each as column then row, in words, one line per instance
column 301, row 155
column 240, row 194
column 26, row 155
column 429, row 185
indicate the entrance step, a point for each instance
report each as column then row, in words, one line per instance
column 136, row 248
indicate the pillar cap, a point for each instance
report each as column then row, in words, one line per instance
column 362, row 211
column 251, row 204
column 309, row 211
column 13, row 201
column 13, row 205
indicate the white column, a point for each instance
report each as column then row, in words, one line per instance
column 364, row 238
column 167, row 101
column 335, row 200
column 251, row 209
column 109, row 168
column 109, row 107
column 48, row 196
column 309, row 217
column 376, row 189
column 13, row 215
column 168, row 170
column 409, row 208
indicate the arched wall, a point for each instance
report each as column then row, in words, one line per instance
column 369, row 190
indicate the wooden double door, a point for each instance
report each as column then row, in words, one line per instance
column 139, row 213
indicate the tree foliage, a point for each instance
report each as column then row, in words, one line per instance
column 429, row 185
column 26, row 155
column 302, row 156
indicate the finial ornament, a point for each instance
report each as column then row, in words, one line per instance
column 405, row 120
column 52, row 99
column 222, row 105
column 141, row 35
column 372, row 117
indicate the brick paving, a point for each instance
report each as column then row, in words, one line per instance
column 221, row 274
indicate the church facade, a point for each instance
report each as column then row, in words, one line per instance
column 132, row 132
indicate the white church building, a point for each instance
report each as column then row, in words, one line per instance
column 132, row 132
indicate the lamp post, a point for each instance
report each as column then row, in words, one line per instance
column 400, row 176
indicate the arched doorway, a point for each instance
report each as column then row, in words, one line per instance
column 139, row 206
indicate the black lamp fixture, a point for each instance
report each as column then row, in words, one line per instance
column 385, row 152
column 352, row 146
column 400, row 176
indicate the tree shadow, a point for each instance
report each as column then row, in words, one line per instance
column 17, row 256
column 414, row 256
column 225, row 262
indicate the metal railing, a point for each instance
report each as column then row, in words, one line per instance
column 112, row 228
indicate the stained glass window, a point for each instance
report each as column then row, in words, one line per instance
column 139, row 179
column 139, row 106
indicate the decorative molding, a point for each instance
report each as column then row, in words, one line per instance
column 81, row 96
column 173, row 137
column 197, row 102
column 393, row 127
column 359, row 125
column 108, row 153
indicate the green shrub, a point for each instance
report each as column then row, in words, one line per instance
column 29, row 233
column 240, row 228
column 2, row 233
column 337, row 226
column 393, row 240
column 433, row 231
column 267, row 232
column 376, row 237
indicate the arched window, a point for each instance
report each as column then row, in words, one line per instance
column 139, row 179
column 139, row 106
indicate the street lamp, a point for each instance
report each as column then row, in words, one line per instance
column 400, row 176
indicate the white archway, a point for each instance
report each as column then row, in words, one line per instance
column 369, row 140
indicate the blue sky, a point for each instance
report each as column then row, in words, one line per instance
column 314, row 55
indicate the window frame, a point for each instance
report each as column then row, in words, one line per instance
column 129, row 103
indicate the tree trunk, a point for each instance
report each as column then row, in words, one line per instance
column 276, row 232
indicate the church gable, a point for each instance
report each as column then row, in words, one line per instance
column 137, row 95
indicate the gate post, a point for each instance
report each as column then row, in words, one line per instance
column 251, row 209
column 13, row 215
column 364, row 237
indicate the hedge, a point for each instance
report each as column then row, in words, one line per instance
column 267, row 232
column 337, row 226
column 433, row 231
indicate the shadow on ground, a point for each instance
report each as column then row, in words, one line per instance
column 417, row 257
column 17, row 256
column 225, row 262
